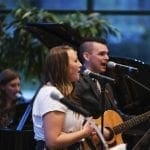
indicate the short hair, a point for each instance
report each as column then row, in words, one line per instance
column 84, row 47
column 93, row 39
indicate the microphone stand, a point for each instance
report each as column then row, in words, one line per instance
column 102, row 81
column 138, row 83
column 102, row 84
column 103, row 110
column 75, row 107
column 140, row 143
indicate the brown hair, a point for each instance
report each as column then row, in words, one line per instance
column 7, row 75
column 56, row 68
column 6, row 113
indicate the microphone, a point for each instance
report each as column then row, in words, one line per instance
column 75, row 107
column 113, row 65
column 70, row 104
column 20, row 97
column 97, row 76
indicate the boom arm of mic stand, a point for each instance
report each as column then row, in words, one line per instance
column 142, row 140
column 102, row 91
column 138, row 83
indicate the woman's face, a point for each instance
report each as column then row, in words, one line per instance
column 12, row 88
column 74, row 66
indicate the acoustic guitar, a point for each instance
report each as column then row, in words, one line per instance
column 113, row 120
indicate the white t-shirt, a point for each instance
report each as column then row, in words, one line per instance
column 45, row 102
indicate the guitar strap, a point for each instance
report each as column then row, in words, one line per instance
column 109, row 96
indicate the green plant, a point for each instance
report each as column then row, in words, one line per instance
column 20, row 50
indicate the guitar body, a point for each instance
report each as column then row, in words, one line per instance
column 111, row 119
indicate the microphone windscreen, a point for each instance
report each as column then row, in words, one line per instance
column 111, row 64
column 18, row 95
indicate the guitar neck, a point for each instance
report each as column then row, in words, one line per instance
column 131, row 123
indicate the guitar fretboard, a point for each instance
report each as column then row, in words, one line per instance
column 131, row 122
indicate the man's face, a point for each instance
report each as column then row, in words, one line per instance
column 97, row 57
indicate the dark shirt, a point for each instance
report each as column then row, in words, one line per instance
column 91, row 98
column 7, row 115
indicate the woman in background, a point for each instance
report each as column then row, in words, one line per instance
column 9, row 89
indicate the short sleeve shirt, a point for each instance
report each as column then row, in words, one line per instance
column 45, row 102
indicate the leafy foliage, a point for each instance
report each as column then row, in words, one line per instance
column 21, row 51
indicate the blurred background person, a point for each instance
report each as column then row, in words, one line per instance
column 10, row 96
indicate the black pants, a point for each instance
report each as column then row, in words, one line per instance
column 40, row 145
